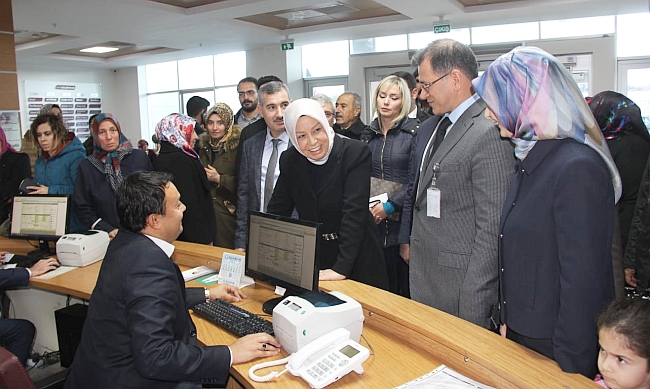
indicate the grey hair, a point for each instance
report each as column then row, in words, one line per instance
column 357, row 98
column 445, row 55
column 271, row 88
column 322, row 99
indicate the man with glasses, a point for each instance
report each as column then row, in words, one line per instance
column 328, row 106
column 247, row 91
column 460, row 174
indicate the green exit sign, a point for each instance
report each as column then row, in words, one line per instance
column 441, row 28
column 287, row 46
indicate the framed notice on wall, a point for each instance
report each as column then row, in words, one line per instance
column 10, row 123
column 78, row 102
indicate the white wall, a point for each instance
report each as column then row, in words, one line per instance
column 119, row 91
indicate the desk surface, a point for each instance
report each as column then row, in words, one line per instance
column 409, row 339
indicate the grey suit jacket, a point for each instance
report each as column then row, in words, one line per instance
column 454, row 259
column 248, row 188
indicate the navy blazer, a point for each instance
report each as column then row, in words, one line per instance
column 138, row 332
column 418, row 147
column 556, row 250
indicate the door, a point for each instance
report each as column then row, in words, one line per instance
column 634, row 82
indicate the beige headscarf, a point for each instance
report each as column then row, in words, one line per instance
column 313, row 109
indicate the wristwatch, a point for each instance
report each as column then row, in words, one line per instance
column 207, row 295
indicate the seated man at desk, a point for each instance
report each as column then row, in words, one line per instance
column 17, row 335
column 138, row 332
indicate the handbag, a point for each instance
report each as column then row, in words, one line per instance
column 379, row 186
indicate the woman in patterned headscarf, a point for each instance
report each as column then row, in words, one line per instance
column 177, row 156
column 102, row 172
column 218, row 152
column 558, row 217
column 620, row 121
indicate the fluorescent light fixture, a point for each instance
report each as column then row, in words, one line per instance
column 99, row 49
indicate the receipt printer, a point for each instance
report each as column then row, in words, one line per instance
column 297, row 320
column 82, row 249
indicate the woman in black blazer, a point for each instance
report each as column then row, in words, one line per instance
column 178, row 157
column 557, row 221
column 327, row 179
column 14, row 168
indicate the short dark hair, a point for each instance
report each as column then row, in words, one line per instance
column 266, row 79
column 629, row 318
column 141, row 194
column 408, row 77
column 248, row 79
column 56, row 124
column 445, row 55
column 195, row 104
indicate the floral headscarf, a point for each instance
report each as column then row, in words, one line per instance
column 534, row 97
column 177, row 129
column 109, row 162
column 617, row 115
column 313, row 109
column 226, row 115
column 5, row 145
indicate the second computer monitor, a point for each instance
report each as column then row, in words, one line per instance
column 41, row 217
column 283, row 252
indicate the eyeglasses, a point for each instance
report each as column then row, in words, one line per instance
column 247, row 93
column 329, row 114
column 427, row 86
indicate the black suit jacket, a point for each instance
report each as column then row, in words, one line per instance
column 14, row 168
column 138, row 332
column 199, row 224
column 340, row 204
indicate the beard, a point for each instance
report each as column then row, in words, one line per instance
column 250, row 108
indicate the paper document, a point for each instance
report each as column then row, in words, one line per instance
column 56, row 272
column 443, row 378
column 374, row 200
column 196, row 272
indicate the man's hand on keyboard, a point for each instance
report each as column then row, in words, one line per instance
column 254, row 346
column 229, row 293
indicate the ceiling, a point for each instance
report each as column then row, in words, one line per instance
column 52, row 32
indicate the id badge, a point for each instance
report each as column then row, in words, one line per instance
column 433, row 202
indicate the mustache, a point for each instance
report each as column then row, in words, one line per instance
column 247, row 101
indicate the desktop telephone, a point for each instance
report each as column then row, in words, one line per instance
column 321, row 362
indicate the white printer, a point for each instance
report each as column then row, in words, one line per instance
column 297, row 320
column 82, row 249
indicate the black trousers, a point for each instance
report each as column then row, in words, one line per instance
column 17, row 336
column 398, row 272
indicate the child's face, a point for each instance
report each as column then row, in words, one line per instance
column 621, row 367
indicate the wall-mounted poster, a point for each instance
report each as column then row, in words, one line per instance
column 78, row 102
column 10, row 123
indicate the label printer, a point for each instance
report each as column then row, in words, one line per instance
column 82, row 249
column 297, row 320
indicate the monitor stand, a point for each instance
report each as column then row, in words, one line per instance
column 43, row 251
column 268, row 305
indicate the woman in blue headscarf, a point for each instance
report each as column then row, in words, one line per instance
column 558, row 217
column 102, row 172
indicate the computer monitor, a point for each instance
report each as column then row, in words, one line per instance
column 40, row 217
column 283, row 252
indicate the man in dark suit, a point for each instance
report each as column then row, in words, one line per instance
column 17, row 335
column 138, row 332
column 348, row 112
column 257, row 155
column 464, row 176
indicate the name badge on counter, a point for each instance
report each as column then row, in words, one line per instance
column 433, row 202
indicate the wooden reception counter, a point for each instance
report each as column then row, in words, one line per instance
column 407, row 339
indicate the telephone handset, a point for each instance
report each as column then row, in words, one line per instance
column 321, row 362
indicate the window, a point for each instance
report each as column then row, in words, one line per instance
column 326, row 59
column 577, row 27
column 631, row 31
column 505, row 33
column 228, row 69
column 160, row 105
column 196, row 73
column 162, row 77
column 420, row 40
column 379, row 44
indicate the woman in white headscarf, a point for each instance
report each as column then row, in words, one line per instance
column 327, row 179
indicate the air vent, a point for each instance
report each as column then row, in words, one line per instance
column 300, row 15
column 337, row 8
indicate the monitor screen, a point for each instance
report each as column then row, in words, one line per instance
column 40, row 217
column 283, row 252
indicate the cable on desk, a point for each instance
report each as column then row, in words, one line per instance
column 372, row 350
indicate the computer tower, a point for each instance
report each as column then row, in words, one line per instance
column 69, row 323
